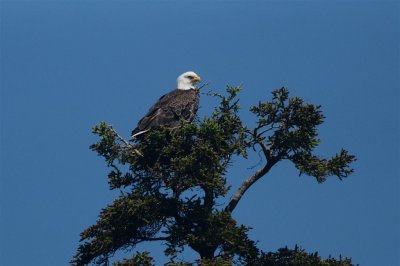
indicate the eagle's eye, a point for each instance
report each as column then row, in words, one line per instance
column 190, row 77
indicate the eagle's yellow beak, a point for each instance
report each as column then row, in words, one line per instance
column 196, row 78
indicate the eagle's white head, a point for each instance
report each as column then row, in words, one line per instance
column 187, row 80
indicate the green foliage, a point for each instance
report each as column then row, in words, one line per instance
column 140, row 259
column 299, row 257
column 170, row 180
column 288, row 127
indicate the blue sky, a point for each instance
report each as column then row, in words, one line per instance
column 66, row 65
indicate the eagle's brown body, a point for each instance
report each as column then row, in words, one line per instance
column 169, row 110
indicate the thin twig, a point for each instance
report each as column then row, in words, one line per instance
column 259, row 140
column 204, row 85
column 122, row 139
column 259, row 161
column 268, row 129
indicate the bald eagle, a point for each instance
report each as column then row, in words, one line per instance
column 181, row 103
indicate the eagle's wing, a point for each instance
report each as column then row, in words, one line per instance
column 169, row 109
column 160, row 111
column 188, row 106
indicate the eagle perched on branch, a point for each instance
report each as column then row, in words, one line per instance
column 181, row 103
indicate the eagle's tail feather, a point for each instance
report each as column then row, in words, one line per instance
column 139, row 133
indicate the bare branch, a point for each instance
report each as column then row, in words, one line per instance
column 127, row 144
column 247, row 184
column 121, row 138
column 265, row 150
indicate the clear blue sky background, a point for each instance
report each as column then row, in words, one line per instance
column 66, row 65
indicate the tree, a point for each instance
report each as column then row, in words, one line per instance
column 170, row 181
